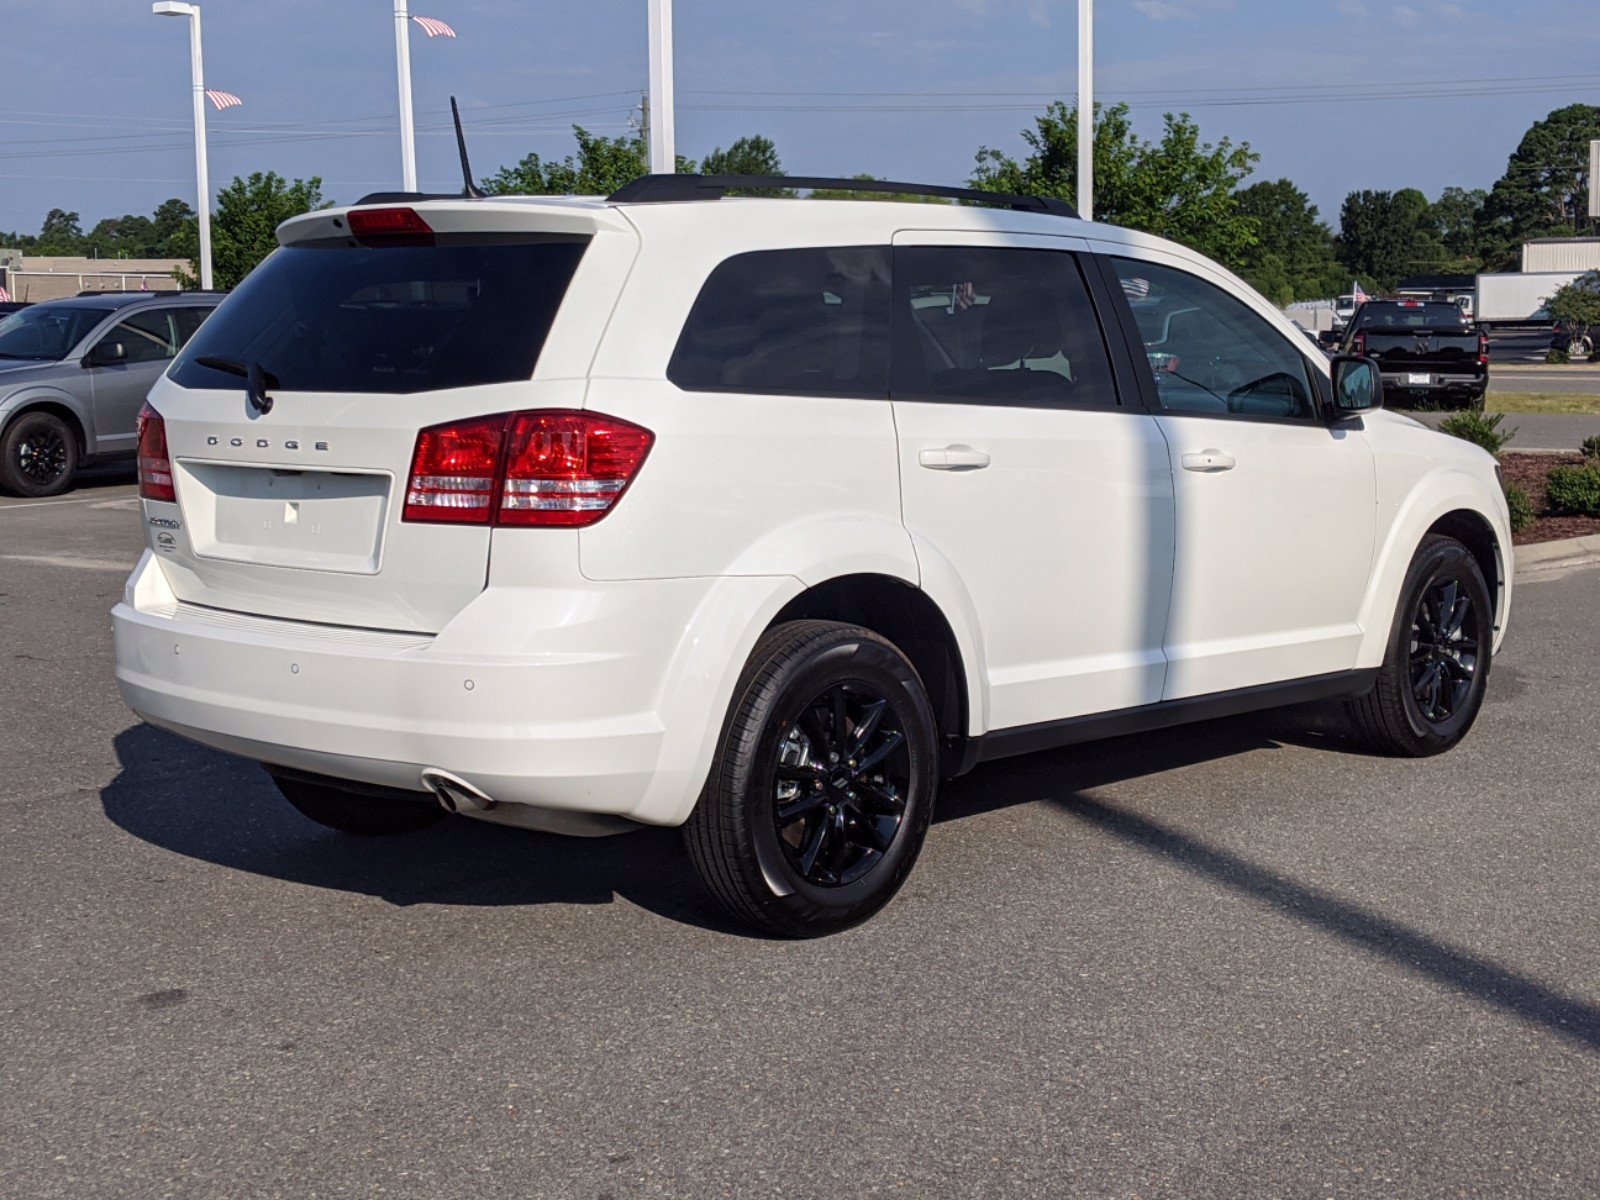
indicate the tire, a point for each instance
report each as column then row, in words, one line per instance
column 38, row 455
column 790, row 840
column 354, row 813
column 1430, row 688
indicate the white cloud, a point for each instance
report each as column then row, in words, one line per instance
column 1174, row 10
column 1162, row 10
column 1038, row 14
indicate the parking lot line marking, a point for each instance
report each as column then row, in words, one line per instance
column 67, row 560
column 47, row 503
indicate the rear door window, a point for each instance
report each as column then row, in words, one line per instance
column 149, row 336
column 391, row 319
column 790, row 322
column 997, row 325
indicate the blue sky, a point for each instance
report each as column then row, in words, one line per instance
column 95, row 114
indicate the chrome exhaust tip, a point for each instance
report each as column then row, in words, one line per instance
column 455, row 795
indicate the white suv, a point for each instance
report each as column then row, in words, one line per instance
column 763, row 516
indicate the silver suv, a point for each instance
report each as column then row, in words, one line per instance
column 73, row 374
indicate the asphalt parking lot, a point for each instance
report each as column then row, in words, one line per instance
column 1243, row 959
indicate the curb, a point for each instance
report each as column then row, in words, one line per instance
column 1553, row 556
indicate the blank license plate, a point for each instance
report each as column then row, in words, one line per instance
column 1422, row 378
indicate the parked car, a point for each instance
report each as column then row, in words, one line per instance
column 1574, row 340
column 761, row 517
column 73, row 375
column 1428, row 350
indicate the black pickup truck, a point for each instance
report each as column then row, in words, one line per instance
column 1426, row 350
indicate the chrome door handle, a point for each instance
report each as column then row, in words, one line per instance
column 1209, row 461
column 953, row 458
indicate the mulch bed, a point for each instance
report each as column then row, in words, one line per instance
column 1528, row 471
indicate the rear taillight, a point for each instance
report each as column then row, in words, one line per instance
column 543, row 468
column 1483, row 349
column 1359, row 345
column 155, row 469
column 454, row 470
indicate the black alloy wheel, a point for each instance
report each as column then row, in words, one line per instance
column 1431, row 686
column 823, row 784
column 38, row 455
column 840, row 782
column 1445, row 641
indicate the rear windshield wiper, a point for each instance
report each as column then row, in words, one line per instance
column 256, row 380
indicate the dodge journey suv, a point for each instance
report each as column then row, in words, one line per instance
column 762, row 517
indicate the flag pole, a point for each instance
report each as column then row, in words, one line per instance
column 408, row 136
column 663, row 134
column 1086, row 109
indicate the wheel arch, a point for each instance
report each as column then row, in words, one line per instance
column 58, row 404
column 1451, row 503
column 907, row 616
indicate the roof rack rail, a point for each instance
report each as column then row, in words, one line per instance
column 655, row 189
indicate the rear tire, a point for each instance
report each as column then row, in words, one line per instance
column 38, row 455
column 1430, row 688
column 823, row 785
column 351, row 812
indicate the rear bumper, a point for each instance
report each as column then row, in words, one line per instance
column 551, row 726
column 1400, row 381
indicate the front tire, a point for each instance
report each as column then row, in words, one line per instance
column 1430, row 688
column 38, row 456
column 351, row 812
column 823, row 785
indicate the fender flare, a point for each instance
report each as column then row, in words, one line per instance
column 1447, row 490
column 38, row 395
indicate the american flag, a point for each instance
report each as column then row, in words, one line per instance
column 1361, row 293
column 434, row 28
column 223, row 99
column 5, row 296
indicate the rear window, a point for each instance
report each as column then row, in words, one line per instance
column 1429, row 315
column 390, row 319
column 790, row 322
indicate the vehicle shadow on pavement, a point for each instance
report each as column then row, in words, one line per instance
column 1066, row 779
column 224, row 810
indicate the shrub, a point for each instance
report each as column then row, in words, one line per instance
column 1522, row 511
column 1591, row 448
column 1574, row 490
column 1557, row 358
column 1481, row 429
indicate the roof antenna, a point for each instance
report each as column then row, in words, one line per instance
column 470, row 190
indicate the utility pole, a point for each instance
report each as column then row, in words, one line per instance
column 659, row 115
column 1086, row 109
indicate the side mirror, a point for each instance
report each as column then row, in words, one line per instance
column 1357, row 386
column 105, row 354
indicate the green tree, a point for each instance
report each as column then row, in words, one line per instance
column 600, row 167
column 61, row 233
column 120, row 237
column 1545, row 190
column 753, row 155
column 1385, row 236
column 244, row 228
column 1293, row 258
column 1177, row 187
column 172, row 229
column 1456, row 215
column 1577, row 305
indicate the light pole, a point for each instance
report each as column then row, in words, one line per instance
column 408, row 135
column 176, row 8
column 1086, row 109
column 663, row 135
